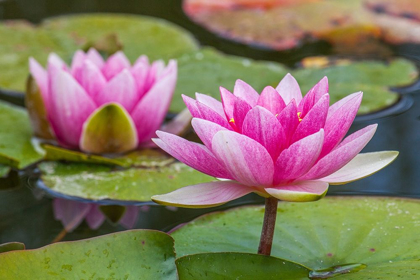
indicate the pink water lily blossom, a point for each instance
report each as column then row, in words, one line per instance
column 276, row 144
column 104, row 106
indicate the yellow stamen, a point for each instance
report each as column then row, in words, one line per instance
column 299, row 114
column 232, row 120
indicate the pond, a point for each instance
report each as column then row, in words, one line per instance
column 216, row 53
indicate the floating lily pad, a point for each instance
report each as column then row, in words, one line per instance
column 137, row 254
column 4, row 170
column 16, row 147
column 381, row 233
column 98, row 182
column 217, row 266
column 372, row 77
column 11, row 246
column 136, row 35
column 206, row 70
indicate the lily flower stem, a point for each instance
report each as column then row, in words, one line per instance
column 267, row 233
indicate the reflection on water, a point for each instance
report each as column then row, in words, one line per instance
column 26, row 213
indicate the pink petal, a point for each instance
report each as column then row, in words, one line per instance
column 77, row 62
column 150, row 112
column 192, row 154
column 199, row 110
column 70, row 213
column 246, row 160
column 289, row 120
column 313, row 95
column 206, row 130
column 91, row 79
column 342, row 154
column 240, row 110
column 95, row 218
column 271, row 100
column 140, row 72
column 41, row 78
column 289, row 89
column 143, row 59
column 130, row 216
column 70, row 106
column 95, row 57
column 314, row 120
column 204, row 195
column 303, row 191
column 262, row 126
column 156, row 70
column 55, row 61
column 361, row 166
column 211, row 102
column 115, row 64
column 121, row 89
column 228, row 102
column 339, row 122
column 298, row 158
column 246, row 92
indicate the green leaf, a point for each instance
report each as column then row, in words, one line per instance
column 4, row 170
column 206, row 70
column 238, row 266
column 137, row 254
column 11, row 246
column 108, row 130
column 16, row 147
column 381, row 233
column 98, row 182
column 372, row 77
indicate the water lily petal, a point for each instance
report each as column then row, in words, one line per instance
column 95, row 218
column 192, row 154
column 69, row 107
column 150, row 112
column 109, row 129
column 361, row 166
column 155, row 71
column 296, row 160
column 339, row 122
column 91, row 79
column 246, row 160
column 115, row 64
column 130, row 216
column 41, row 78
column 289, row 89
column 240, row 110
column 271, row 100
column 289, row 120
column 313, row 95
column 139, row 72
column 211, row 102
column 95, row 58
column 342, row 154
column 70, row 213
column 246, row 92
column 77, row 62
column 314, row 120
column 303, row 191
column 228, row 102
column 121, row 89
column 204, row 195
column 206, row 130
column 55, row 61
column 262, row 126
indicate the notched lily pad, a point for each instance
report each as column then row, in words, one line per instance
column 217, row 266
column 381, row 233
column 17, row 148
column 11, row 246
column 98, row 182
column 137, row 254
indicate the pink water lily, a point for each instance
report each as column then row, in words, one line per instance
column 101, row 106
column 276, row 144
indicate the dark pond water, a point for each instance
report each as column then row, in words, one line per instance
column 26, row 213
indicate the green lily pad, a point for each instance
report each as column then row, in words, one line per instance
column 137, row 254
column 381, row 233
column 238, row 266
column 138, row 35
column 206, row 70
column 11, row 246
column 16, row 147
column 4, row 170
column 372, row 77
column 97, row 182
column 63, row 35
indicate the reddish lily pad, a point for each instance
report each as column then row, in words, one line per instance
column 378, row 232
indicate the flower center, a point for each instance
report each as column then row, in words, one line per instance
column 299, row 114
column 232, row 120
